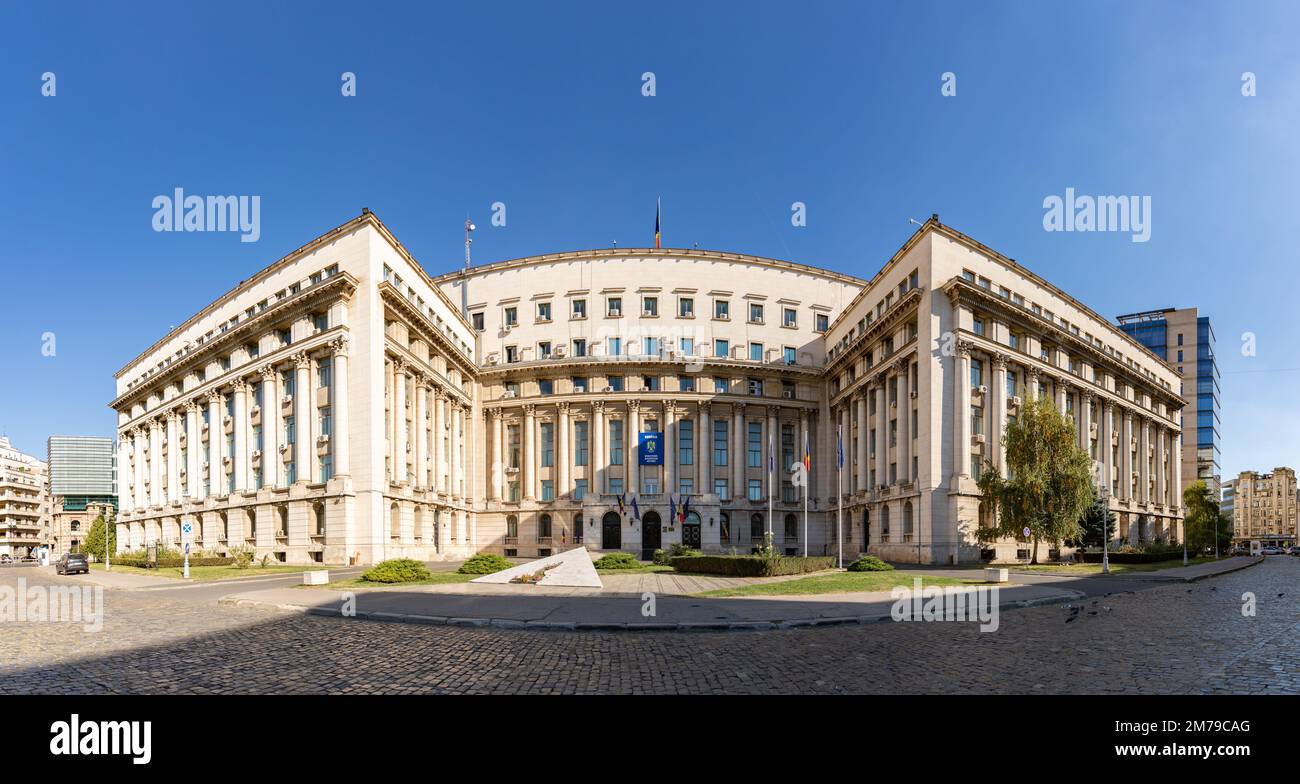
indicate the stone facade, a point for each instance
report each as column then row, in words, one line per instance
column 1265, row 508
column 24, row 502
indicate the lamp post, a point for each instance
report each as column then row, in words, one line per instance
column 108, row 536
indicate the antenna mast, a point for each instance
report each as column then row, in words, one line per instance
column 469, row 227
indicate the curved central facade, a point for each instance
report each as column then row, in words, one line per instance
column 343, row 406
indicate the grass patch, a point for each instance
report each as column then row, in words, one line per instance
column 838, row 582
column 1092, row 569
column 205, row 573
column 646, row 569
column 435, row 578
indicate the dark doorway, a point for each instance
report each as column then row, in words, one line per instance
column 691, row 531
column 866, row 530
column 611, row 531
column 651, row 535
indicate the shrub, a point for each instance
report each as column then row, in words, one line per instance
column 396, row 570
column 195, row 560
column 242, row 555
column 870, row 563
column 618, row 561
column 661, row 557
column 485, row 563
column 751, row 565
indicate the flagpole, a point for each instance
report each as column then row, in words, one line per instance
column 771, row 537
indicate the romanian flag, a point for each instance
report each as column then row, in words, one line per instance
column 807, row 455
column 658, row 209
column 620, row 503
column 685, row 509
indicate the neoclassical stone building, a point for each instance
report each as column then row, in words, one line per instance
column 343, row 406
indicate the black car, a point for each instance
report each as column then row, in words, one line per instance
column 72, row 563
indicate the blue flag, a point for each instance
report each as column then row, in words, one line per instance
column 839, row 447
column 672, row 507
column 636, row 511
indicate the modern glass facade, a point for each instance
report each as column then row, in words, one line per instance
column 82, row 470
column 1185, row 339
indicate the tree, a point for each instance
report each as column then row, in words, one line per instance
column 1097, row 515
column 1204, row 523
column 1049, row 482
column 93, row 544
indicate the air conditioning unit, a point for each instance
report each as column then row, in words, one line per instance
column 1016, row 400
column 226, row 421
column 977, row 439
column 981, row 389
column 285, row 449
column 788, row 394
column 493, row 359
column 509, row 393
column 912, row 395
column 257, row 454
column 559, row 352
column 609, row 389
column 226, row 461
column 287, row 400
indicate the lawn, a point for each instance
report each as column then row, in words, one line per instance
column 205, row 573
column 646, row 569
column 837, row 582
column 438, row 578
column 1090, row 569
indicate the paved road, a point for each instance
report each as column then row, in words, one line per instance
column 1170, row 638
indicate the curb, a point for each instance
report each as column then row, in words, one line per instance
column 1255, row 562
column 612, row 626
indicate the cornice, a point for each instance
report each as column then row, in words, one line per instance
column 427, row 329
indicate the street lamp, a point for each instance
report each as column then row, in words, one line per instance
column 108, row 531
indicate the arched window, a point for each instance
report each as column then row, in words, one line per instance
column 907, row 521
column 394, row 523
column 544, row 527
column 283, row 516
column 866, row 527
column 318, row 518
column 756, row 527
column 791, row 527
column 252, row 526
column 884, row 524
column 512, row 529
column 197, row 535
column 225, row 526
column 437, row 530
column 577, row 529
column 419, row 524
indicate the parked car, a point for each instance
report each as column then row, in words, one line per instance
column 1271, row 551
column 70, row 563
column 1295, row 550
column 6, row 558
column 28, row 559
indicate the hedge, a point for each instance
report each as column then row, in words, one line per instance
column 751, row 565
column 485, row 563
column 1130, row 558
column 172, row 562
column 397, row 570
column 617, row 561
column 869, row 563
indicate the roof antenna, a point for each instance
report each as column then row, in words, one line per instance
column 615, row 243
column 914, row 220
column 469, row 227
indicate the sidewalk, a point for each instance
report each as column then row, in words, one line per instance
column 119, row 580
column 536, row 607
column 1177, row 574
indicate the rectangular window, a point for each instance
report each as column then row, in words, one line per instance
column 616, row 485
column 512, row 439
column 544, row 350
column 756, row 352
column 650, row 306
column 756, row 387
column 720, row 443
column 512, row 492
column 579, row 347
column 720, row 385
column 789, row 317
column 652, row 347
column 823, row 322
column 651, row 383
column 614, row 307
column 543, row 311
column 579, row 309
column 788, row 354
column 548, row 444
column 581, row 444
column 326, row 467
column 755, row 313
column 548, row 490
column 686, row 442
column 686, row 383
column 477, row 320
column 976, row 373
column 325, row 419
column 546, row 386
column 977, row 420
column 720, row 489
column 721, row 349
column 754, row 445
column 615, row 347
column 756, row 489
column 686, row 347
column 721, row 309
column 579, row 384
column 616, row 383
column 686, row 307
column 579, row 489
column 512, row 317
column 616, row 442
column 686, row 485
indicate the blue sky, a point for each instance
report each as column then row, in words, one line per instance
column 539, row 106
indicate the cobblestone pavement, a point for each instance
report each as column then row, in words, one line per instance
column 1174, row 638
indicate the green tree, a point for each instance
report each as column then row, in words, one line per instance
column 93, row 544
column 1203, row 520
column 1049, row 479
column 1095, row 517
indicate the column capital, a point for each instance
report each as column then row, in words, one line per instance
column 214, row 396
column 267, row 372
column 301, row 360
column 965, row 347
column 156, row 423
column 902, row 365
column 240, row 385
column 399, row 364
column 339, row 345
column 598, row 407
column 173, row 414
column 420, row 377
column 494, row 414
column 564, row 408
column 1000, row 361
column 439, row 393
column 191, row 406
column 634, row 406
column 530, row 409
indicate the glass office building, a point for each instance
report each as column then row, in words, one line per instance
column 1185, row 339
column 82, row 470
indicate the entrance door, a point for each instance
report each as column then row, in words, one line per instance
column 691, row 531
column 611, row 531
column 651, row 535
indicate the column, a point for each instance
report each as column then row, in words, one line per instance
column 1085, row 424
column 773, row 450
column 1161, row 495
column 903, row 379
column 1107, row 428
column 302, row 417
column 155, row 462
column 458, row 455
column 1144, row 476
column 437, row 456
column 882, row 432
column 738, row 491
column 239, row 462
column 271, row 426
column 864, row 450
column 1126, row 457
column 141, row 500
column 390, row 382
column 562, row 451
column 1176, row 488
column 498, row 460
column 1061, row 389
column 633, row 461
column 342, row 420
column 670, row 448
column 961, row 410
column 704, row 451
column 173, row 457
column 600, row 455
column 421, row 432
column 846, row 436
column 216, row 445
column 998, row 414
column 125, row 498
column 529, row 437
column 401, row 473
